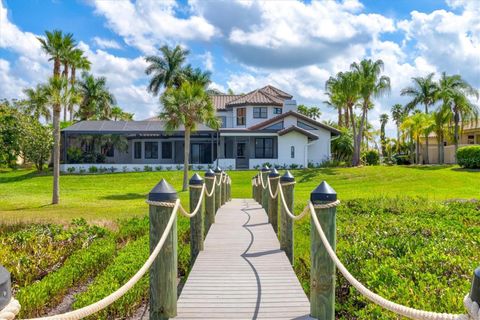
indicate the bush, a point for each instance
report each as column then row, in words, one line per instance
column 112, row 169
column 71, row 169
column 147, row 168
column 371, row 158
column 93, row 169
column 469, row 157
column 158, row 168
column 74, row 155
column 402, row 159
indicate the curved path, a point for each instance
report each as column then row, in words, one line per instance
column 242, row 273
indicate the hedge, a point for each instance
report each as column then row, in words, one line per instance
column 469, row 157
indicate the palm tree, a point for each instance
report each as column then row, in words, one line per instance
column 371, row 84
column 383, row 123
column 424, row 91
column 187, row 106
column 196, row 75
column 441, row 118
column 455, row 93
column 77, row 62
column 167, row 69
column 418, row 125
column 397, row 115
column 56, row 45
column 36, row 103
column 97, row 101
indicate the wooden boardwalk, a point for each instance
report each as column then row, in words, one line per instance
column 242, row 273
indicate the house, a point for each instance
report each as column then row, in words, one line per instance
column 469, row 134
column 262, row 126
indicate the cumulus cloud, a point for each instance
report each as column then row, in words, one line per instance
column 106, row 43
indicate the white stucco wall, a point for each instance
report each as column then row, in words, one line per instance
column 319, row 150
column 286, row 142
column 250, row 120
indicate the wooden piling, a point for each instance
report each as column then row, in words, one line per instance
column 197, row 227
column 322, row 270
column 475, row 292
column 209, row 201
column 163, row 273
column 218, row 189
column 286, row 223
column 224, row 188
column 273, row 202
column 265, row 195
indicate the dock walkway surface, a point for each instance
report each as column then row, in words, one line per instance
column 242, row 273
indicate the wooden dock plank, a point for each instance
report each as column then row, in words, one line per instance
column 242, row 273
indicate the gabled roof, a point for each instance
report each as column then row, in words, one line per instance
column 299, row 130
column 267, row 95
column 118, row 127
column 297, row 115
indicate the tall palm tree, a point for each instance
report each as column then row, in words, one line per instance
column 56, row 45
column 383, row 123
column 397, row 115
column 166, row 70
column 372, row 84
column 441, row 118
column 416, row 126
column 36, row 103
column 196, row 75
column 187, row 106
column 97, row 101
column 423, row 92
column 455, row 93
column 77, row 62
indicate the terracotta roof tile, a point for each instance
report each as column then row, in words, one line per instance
column 267, row 95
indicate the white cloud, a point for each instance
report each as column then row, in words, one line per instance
column 146, row 24
column 10, row 86
column 208, row 61
column 106, row 43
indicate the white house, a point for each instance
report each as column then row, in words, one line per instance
column 262, row 126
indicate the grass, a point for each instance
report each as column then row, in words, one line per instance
column 105, row 198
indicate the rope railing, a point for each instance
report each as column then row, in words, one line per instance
column 13, row 308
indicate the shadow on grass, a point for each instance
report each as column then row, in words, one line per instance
column 429, row 167
column 306, row 175
column 126, row 196
column 22, row 177
column 466, row 170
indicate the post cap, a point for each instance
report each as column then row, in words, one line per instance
column 475, row 292
column 209, row 173
column 5, row 287
column 196, row 180
column 217, row 169
column 287, row 177
column 274, row 173
column 265, row 168
column 163, row 192
column 323, row 193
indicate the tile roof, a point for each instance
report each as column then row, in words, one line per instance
column 221, row 100
column 267, row 95
column 298, row 129
column 271, row 90
column 124, row 127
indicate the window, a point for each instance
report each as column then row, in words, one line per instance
column 240, row 116
column 137, row 150
column 292, row 152
column 263, row 148
column 200, row 153
column 471, row 139
column 277, row 111
column 151, row 150
column 167, row 150
column 276, row 126
column 108, row 150
column 305, row 126
column 260, row 112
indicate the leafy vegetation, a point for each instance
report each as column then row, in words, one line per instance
column 469, row 157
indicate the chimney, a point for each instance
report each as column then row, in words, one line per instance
column 289, row 105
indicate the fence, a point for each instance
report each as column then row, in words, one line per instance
column 212, row 192
column 268, row 186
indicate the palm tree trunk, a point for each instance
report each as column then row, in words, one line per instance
column 56, row 154
column 354, row 129
column 72, row 85
column 186, row 158
column 360, row 136
column 65, row 74
column 418, row 151
column 347, row 118
column 456, row 132
column 340, row 116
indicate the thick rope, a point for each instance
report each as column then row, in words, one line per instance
column 10, row 311
column 273, row 196
column 209, row 194
column 219, row 179
column 105, row 302
column 285, row 206
column 472, row 307
column 394, row 307
column 197, row 207
column 264, row 184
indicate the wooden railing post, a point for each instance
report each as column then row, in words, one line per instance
column 254, row 196
column 196, row 222
column 475, row 292
column 273, row 202
column 322, row 272
column 265, row 195
column 229, row 188
column 218, row 189
column 209, row 201
column 257, row 188
column 224, row 188
column 5, row 287
column 163, row 273
column 286, row 224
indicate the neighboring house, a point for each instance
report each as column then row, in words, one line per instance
column 469, row 134
column 259, row 127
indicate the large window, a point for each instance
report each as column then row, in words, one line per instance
column 260, row 112
column 263, row 148
column 471, row 139
column 151, row 150
column 200, row 153
column 167, row 150
column 240, row 116
column 277, row 111
column 137, row 150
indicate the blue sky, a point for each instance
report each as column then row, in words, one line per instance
column 293, row 45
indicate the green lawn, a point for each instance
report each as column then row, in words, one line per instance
column 102, row 198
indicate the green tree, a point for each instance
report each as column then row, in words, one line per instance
column 418, row 125
column 398, row 115
column 186, row 106
column 97, row 101
column 423, row 92
column 77, row 62
column 36, row 103
column 166, row 70
column 196, row 75
column 10, row 134
column 342, row 146
column 311, row 112
column 118, row 114
column 383, row 123
column 441, row 118
column 57, row 45
column 36, row 142
column 371, row 84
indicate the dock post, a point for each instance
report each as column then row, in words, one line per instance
column 196, row 222
column 322, row 272
column 257, row 188
column 287, row 183
column 229, row 188
column 475, row 292
column 265, row 195
column 273, row 202
column 5, row 287
column 163, row 273
column 224, row 188
column 253, row 188
column 218, row 188
column 209, row 201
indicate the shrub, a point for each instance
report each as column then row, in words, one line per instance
column 371, row 158
column 102, row 169
column 158, row 168
column 136, row 169
column 93, row 169
column 124, row 168
column 81, row 170
column 179, row 167
column 199, row 167
column 293, row 166
column 168, row 168
column 402, row 159
column 469, row 157
column 147, row 168
column 112, row 169
column 71, row 169
column 74, row 155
